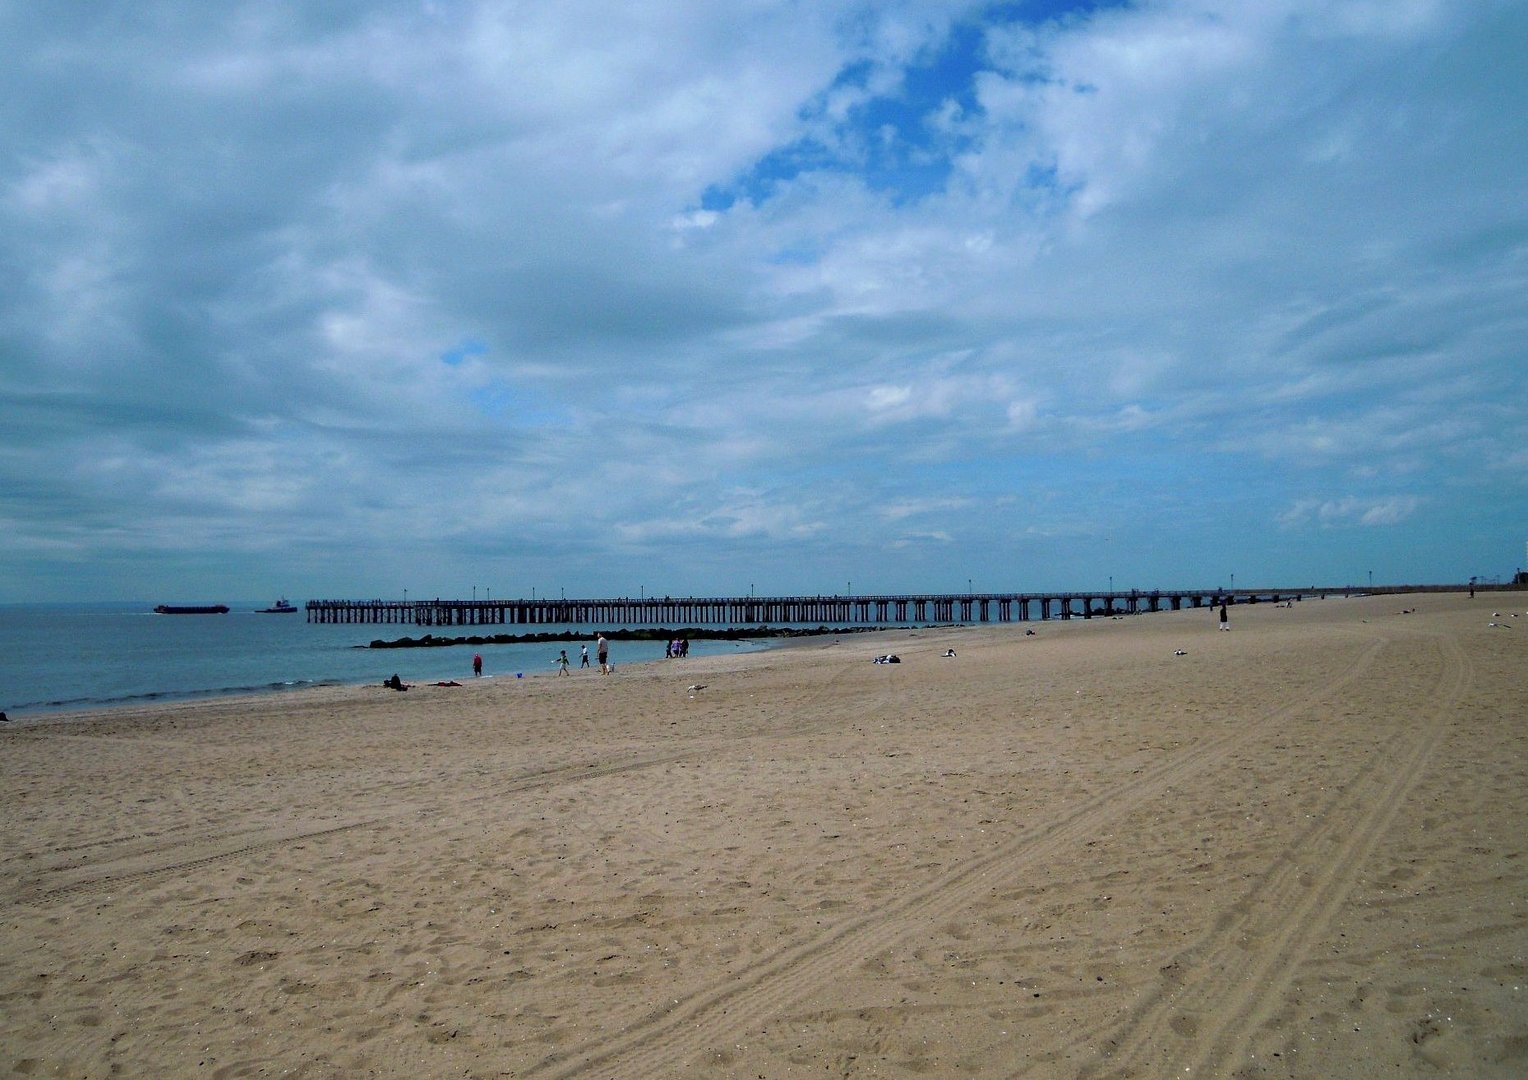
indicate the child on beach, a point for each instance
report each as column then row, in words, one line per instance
column 562, row 663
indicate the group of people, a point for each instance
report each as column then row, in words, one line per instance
column 601, row 649
column 677, row 648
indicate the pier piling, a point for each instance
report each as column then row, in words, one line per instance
column 929, row 608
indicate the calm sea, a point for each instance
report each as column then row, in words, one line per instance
column 65, row 657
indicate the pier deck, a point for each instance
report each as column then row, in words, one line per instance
column 795, row 610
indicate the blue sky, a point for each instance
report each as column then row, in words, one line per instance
column 343, row 299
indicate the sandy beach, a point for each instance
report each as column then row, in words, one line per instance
column 1134, row 847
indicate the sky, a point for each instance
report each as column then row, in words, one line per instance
column 590, row 298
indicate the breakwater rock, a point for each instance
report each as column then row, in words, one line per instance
column 691, row 633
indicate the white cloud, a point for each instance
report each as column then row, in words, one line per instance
column 882, row 399
column 921, row 539
column 902, row 509
column 66, row 181
column 1351, row 511
column 1280, row 240
column 739, row 516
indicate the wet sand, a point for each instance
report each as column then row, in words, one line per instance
column 1298, row 849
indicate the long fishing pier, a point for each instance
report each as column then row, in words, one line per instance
column 795, row 610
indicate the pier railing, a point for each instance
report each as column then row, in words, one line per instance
column 798, row 610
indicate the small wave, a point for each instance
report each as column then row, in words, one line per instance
column 81, row 704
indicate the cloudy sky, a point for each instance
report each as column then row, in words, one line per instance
column 344, row 298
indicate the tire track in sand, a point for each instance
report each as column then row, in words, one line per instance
column 141, row 857
column 1217, row 992
column 661, row 1042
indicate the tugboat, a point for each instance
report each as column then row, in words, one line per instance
column 191, row 609
column 280, row 607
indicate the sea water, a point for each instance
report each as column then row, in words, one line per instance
column 66, row 657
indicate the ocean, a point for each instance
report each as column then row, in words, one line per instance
column 57, row 658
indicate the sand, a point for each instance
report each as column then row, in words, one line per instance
column 1295, row 850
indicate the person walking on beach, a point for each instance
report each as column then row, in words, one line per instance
column 477, row 664
column 562, row 663
column 602, row 647
column 1225, row 620
column 583, row 656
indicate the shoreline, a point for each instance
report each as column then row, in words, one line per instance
column 30, row 715
column 18, row 714
column 763, row 638
column 1119, row 846
column 656, row 633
